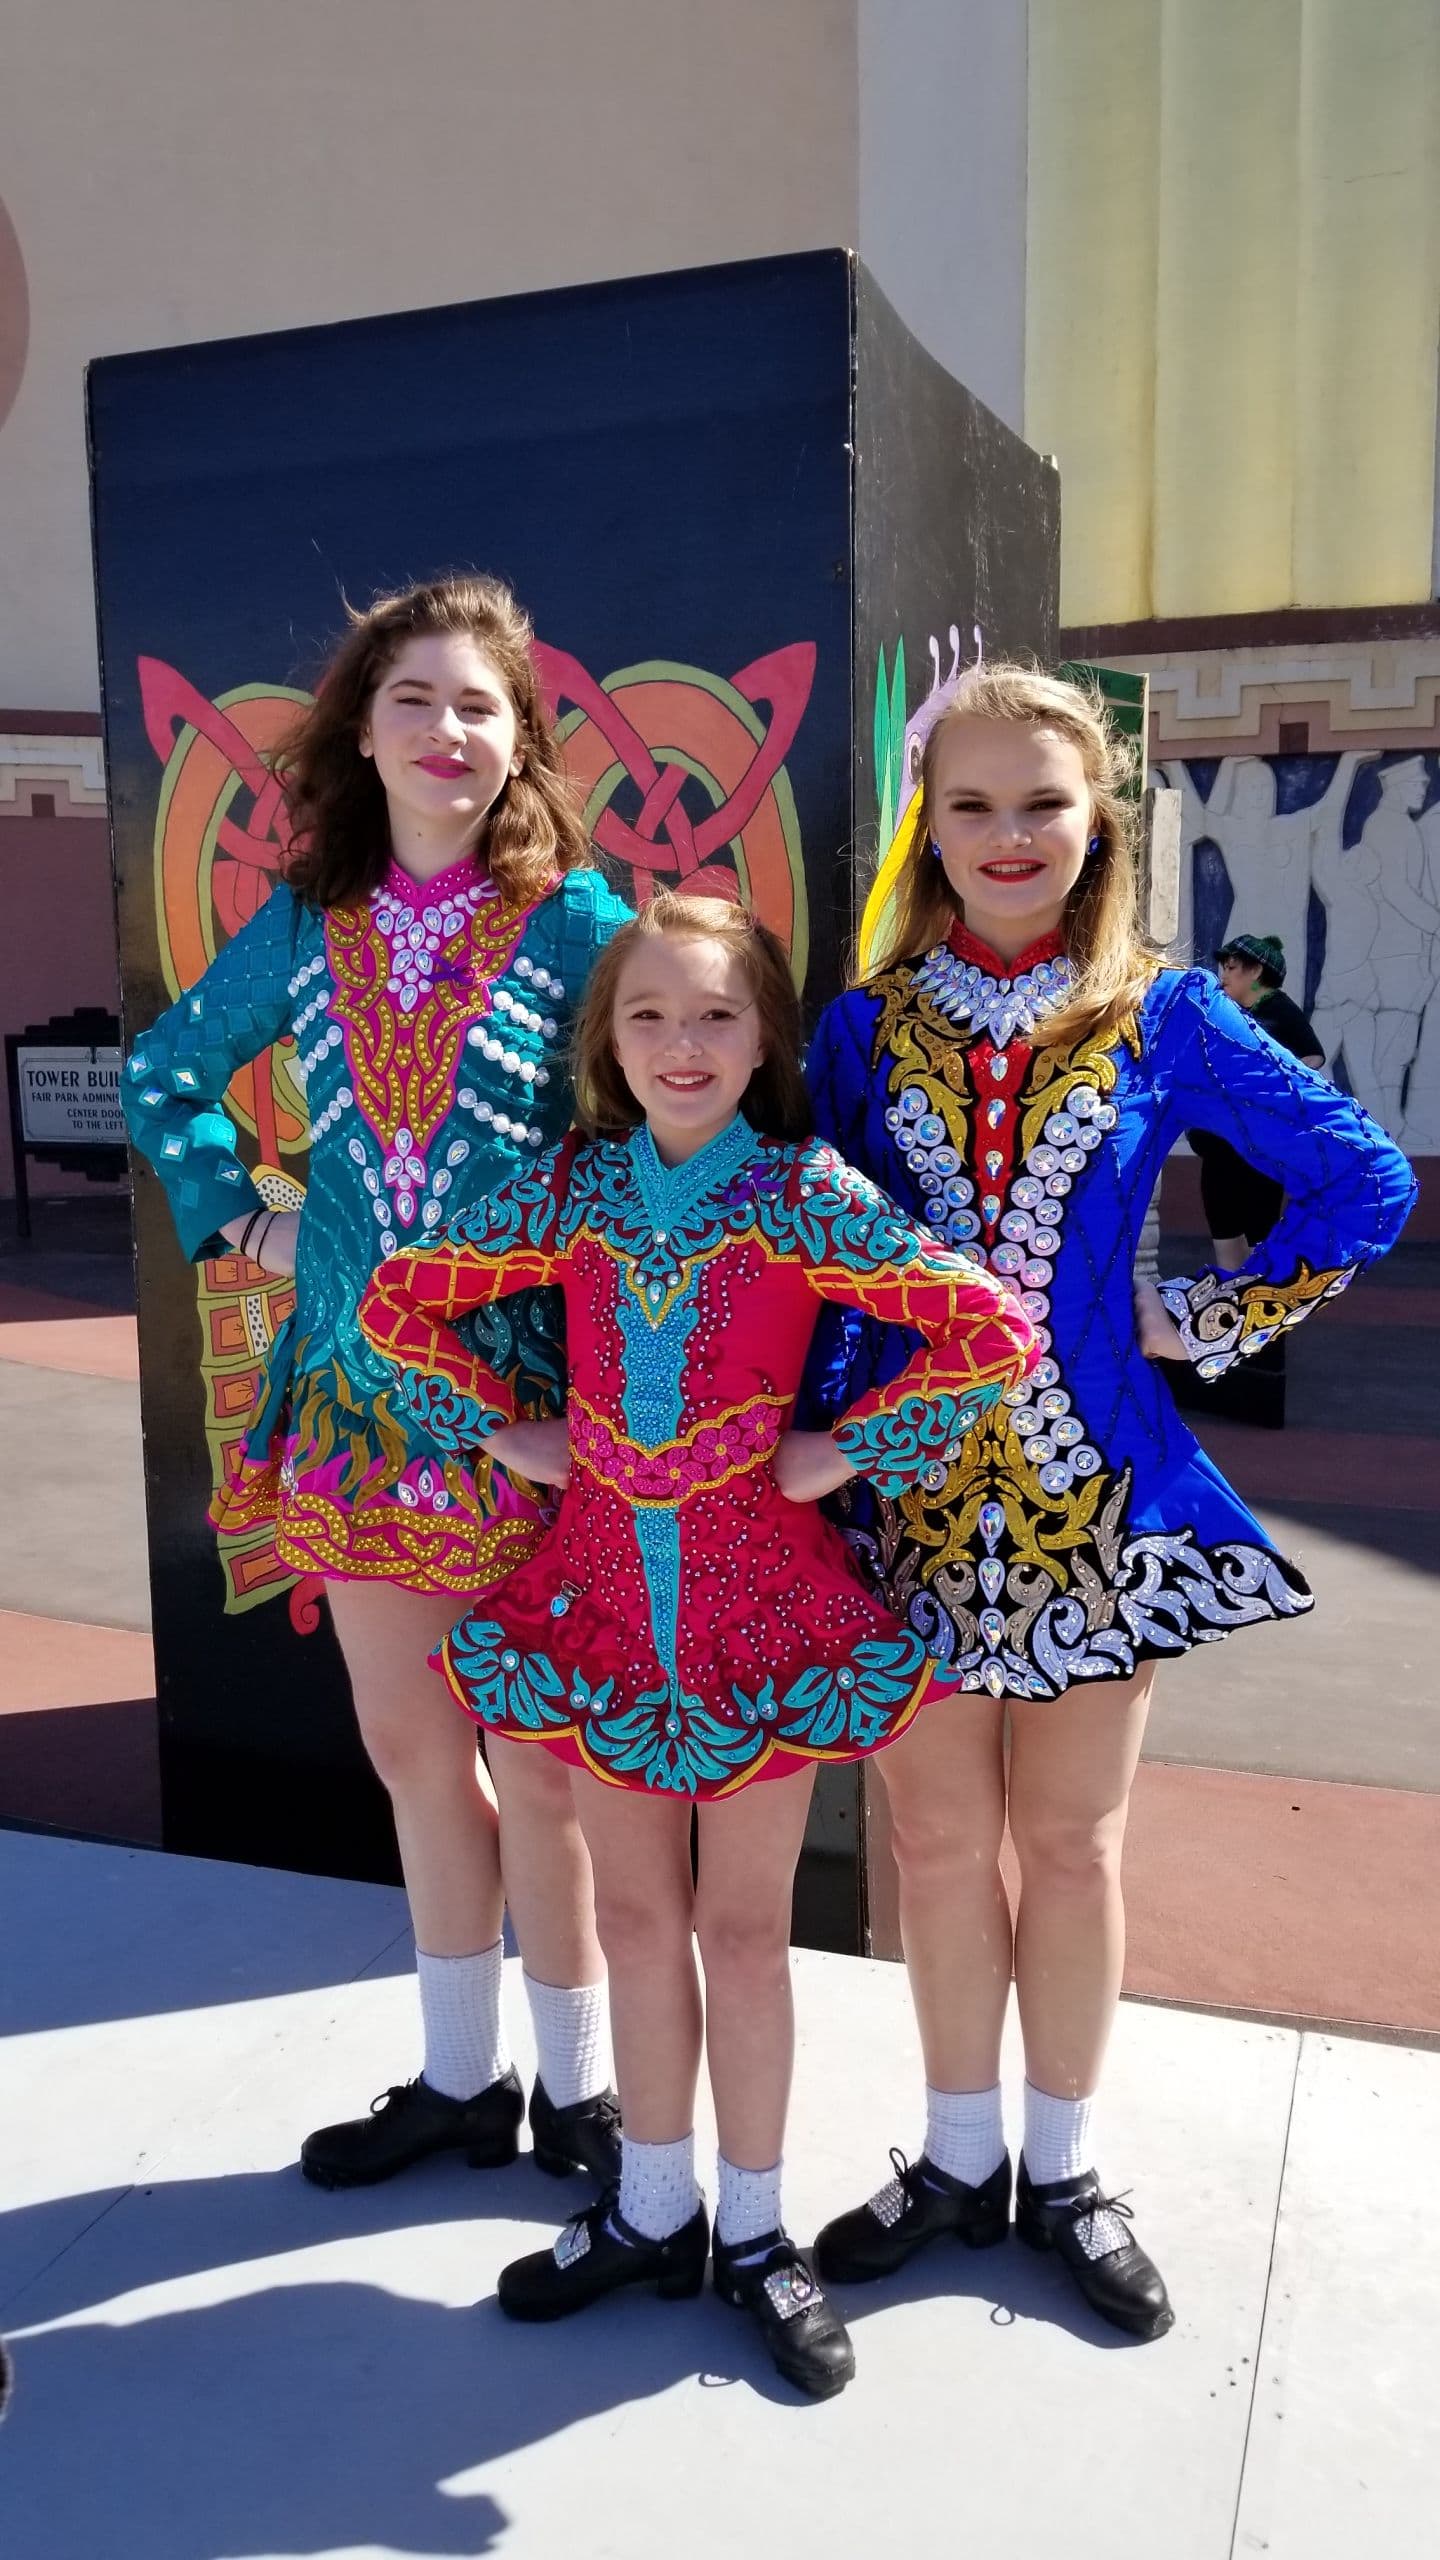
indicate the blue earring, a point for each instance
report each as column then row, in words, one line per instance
column 935, row 849
column 1094, row 845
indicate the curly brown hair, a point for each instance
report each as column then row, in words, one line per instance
column 339, row 821
column 775, row 1101
column 1101, row 926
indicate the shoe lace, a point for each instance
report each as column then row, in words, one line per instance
column 891, row 2200
column 388, row 2097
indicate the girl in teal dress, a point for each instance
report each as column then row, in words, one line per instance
column 425, row 952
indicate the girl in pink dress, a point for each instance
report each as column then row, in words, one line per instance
column 692, row 1625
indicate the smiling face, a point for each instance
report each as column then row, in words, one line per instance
column 1010, row 810
column 441, row 728
column 686, row 1031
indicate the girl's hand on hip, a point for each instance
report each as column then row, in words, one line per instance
column 808, row 1464
column 1156, row 1331
column 539, row 1450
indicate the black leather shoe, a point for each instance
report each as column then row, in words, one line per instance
column 921, row 2203
column 1089, row 2232
column 596, row 2254
column 584, row 2136
column 807, row 2339
column 408, row 2124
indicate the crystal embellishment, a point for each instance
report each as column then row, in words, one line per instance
column 970, row 997
column 573, row 2243
column 791, row 2291
column 888, row 2205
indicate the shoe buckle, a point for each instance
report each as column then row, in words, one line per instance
column 1106, row 2220
column 791, row 2290
column 890, row 2203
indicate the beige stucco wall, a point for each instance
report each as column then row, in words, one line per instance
column 184, row 169
column 1234, row 274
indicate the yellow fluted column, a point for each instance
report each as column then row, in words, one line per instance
column 1090, row 289
column 1225, row 337
column 1369, row 291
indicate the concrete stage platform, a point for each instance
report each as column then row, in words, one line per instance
column 216, row 2362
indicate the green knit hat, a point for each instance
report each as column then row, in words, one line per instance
column 1265, row 948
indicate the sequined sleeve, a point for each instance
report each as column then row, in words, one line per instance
column 172, row 1091
column 837, row 1072
column 977, row 1340
column 1348, row 1188
column 410, row 1306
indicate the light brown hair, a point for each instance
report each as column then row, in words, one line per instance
column 1101, row 925
column 775, row 1101
column 336, row 799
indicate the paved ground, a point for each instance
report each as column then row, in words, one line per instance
column 216, row 2362
column 1315, row 1899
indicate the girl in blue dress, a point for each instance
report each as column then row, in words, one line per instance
column 425, row 953
column 1016, row 1072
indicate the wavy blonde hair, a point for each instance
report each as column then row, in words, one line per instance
column 1112, row 960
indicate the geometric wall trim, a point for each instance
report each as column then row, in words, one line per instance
column 65, row 776
column 1293, row 701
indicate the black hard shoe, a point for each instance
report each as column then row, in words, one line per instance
column 583, row 2136
column 807, row 2339
column 407, row 2124
column 596, row 2254
column 1089, row 2232
column 920, row 2203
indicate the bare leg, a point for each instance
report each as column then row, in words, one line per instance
column 946, row 1782
column 1072, row 1761
column 548, row 1883
column 644, row 1905
column 1231, row 1252
column 422, row 1748
column 749, row 1846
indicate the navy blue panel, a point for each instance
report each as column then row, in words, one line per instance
column 1212, row 897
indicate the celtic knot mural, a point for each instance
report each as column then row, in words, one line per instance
column 684, row 782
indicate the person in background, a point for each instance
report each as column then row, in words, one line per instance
column 1242, row 1204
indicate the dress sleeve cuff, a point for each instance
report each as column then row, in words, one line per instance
column 915, row 1442
column 453, row 1420
column 1225, row 1316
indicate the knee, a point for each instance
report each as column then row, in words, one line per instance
column 410, row 1753
column 1077, row 1857
column 747, row 1944
column 641, row 1926
column 942, row 1847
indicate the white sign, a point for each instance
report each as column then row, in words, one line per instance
column 70, row 1097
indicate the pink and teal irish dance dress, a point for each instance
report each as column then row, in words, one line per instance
column 431, row 1026
column 684, row 1628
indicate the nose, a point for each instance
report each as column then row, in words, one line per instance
column 1011, row 828
column 447, row 724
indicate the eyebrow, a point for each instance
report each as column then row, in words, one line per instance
column 656, row 995
column 424, row 684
